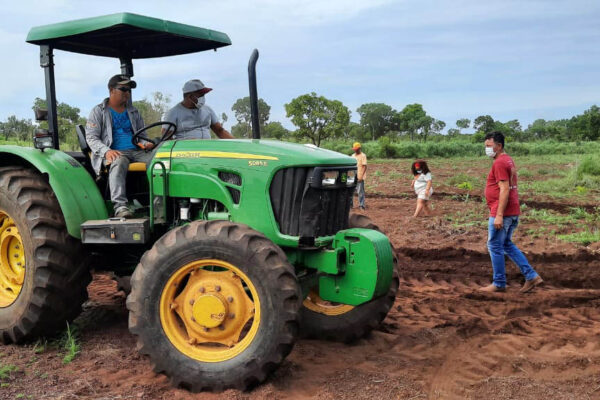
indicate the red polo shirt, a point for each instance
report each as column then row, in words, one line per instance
column 503, row 169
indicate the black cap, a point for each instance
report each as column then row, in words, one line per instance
column 121, row 80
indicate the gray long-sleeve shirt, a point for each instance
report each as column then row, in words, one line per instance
column 98, row 130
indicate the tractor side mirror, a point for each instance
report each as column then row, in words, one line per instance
column 41, row 115
column 42, row 139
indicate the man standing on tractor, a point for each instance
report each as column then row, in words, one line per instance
column 109, row 132
column 194, row 119
column 361, row 173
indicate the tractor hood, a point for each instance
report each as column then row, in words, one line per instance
column 271, row 151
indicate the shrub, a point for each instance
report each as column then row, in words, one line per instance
column 589, row 166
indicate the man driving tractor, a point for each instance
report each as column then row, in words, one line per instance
column 109, row 133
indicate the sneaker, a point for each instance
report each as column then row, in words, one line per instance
column 530, row 284
column 491, row 288
column 123, row 212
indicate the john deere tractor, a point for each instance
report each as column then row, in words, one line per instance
column 237, row 246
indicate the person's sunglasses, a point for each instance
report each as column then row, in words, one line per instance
column 124, row 89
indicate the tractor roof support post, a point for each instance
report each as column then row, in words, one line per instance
column 47, row 62
column 127, row 69
column 253, row 94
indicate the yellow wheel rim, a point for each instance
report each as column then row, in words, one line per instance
column 12, row 260
column 210, row 310
column 315, row 303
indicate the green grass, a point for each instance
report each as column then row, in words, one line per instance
column 584, row 238
column 589, row 165
column 525, row 173
column 69, row 343
column 40, row 346
column 465, row 185
column 464, row 181
column 580, row 178
column 7, row 370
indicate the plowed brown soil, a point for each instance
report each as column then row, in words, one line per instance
column 442, row 340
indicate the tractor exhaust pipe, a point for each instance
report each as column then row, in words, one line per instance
column 253, row 94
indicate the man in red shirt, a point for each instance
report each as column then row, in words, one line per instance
column 502, row 197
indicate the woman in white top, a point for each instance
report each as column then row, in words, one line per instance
column 422, row 185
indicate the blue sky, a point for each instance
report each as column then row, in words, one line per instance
column 463, row 58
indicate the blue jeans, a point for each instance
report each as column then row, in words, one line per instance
column 500, row 243
column 360, row 190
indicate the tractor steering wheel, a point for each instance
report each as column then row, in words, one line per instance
column 171, row 130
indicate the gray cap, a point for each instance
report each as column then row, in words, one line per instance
column 194, row 85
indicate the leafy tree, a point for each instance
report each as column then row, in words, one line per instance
column 224, row 117
column 67, row 118
column 414, row 120
column 356, row 132
column 437, row 126
column 484, row 123
column 317, row 117
column 585, row 126
column 453, row 132
column 538, row 129
column 240, row 131
column 463, row 123
column 243, row 113
column 274, row 130
column 376, row 118
column 17, row 129
column 153, row 110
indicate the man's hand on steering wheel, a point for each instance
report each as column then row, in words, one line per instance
column 146, row 146
column 137, row 136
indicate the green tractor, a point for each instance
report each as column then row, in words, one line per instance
column 237, row 246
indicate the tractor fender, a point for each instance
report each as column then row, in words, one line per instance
column 77, row 193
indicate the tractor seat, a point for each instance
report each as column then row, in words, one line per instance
column 133, row 167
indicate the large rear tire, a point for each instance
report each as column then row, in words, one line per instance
column 321, row 319
column 215, row 306
column 43, row 275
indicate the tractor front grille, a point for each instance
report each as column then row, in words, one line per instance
column 304, row 208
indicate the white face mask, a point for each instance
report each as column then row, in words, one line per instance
column 418, row 171
column 489, row 151
column 200, row 102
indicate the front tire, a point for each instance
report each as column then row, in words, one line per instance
column 321, row 319
column 43, row 276
column 215, row 306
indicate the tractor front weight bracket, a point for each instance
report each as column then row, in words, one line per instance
column 356, row 269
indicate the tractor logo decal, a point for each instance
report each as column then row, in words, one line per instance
column 214, row 154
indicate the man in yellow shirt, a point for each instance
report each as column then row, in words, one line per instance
column 361, row 174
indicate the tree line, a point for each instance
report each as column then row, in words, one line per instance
column 318, row 119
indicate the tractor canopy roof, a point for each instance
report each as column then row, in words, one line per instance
column 127, row 36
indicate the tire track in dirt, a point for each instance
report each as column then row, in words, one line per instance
column 477, row 336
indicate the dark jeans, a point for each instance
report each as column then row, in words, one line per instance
column 500, row 244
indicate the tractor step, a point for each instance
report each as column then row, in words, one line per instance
column 116, row 231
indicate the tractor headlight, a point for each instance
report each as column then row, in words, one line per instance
column 329, row 178
column 351, row 177
column 42, row 139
